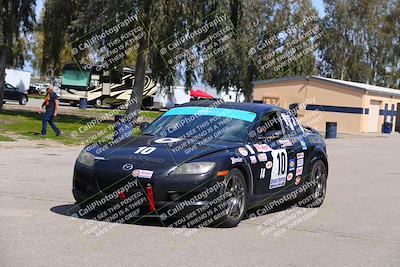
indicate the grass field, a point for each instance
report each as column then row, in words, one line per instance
column 75, row 129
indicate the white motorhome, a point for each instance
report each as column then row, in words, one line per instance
column 100, row 87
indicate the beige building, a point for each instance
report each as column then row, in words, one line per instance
column 356, row 107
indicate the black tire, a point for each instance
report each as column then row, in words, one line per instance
column 235, row 183
column 23, row 100
column 316, row 193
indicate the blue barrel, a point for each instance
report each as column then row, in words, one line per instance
column 387, row 127
column 122, row 128
column 331, row 130
column 83, row 103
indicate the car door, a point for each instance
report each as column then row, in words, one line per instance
column 297, row 148
column 10, row 92
column 7, row 92
column 270, row 171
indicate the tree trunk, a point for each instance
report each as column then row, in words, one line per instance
column 3, row 61
column 135, row 101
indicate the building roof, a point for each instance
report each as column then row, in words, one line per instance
column 367, row 88
column 252, row 107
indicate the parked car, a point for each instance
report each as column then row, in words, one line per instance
column 38, row 88
column 33, row 89
column 12, row 93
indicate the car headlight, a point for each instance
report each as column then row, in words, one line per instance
column 86, row 158
column 194, row 168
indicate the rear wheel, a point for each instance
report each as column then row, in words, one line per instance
column 23, row 100
column 235, row 191
column 317, row 191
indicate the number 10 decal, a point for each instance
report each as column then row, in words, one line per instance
column 281, row 158
column 145, row 150
column 279, row 168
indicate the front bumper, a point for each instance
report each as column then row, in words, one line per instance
column 174, row 196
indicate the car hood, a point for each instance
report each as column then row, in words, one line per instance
column 164, row 151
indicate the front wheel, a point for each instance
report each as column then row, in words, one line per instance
column 235, row 197
column 23, row 100
column 317, row 191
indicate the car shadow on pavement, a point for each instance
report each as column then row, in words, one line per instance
column 70, row 210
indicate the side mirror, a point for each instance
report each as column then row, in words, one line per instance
column 143, row 125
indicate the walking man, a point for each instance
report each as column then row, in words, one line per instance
column 51, row 105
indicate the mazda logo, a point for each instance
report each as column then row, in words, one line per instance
column 127, row 167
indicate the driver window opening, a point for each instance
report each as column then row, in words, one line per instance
column 270, row 125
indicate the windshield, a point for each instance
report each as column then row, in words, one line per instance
column 203, row 123
column 75, row 78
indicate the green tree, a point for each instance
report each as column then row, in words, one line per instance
column 256, row 23
column 53, row 30
column 17, row 18
column 161, row 20
column 366, row 32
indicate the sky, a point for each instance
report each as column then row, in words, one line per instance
column 318, row 4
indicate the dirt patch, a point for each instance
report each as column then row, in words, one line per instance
column 21, row 142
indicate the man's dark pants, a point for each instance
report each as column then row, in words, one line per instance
column 48, row 118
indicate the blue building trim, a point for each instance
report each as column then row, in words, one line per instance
column 385, row 112
column 350, row 110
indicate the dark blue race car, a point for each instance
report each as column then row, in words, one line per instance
column 204, row 163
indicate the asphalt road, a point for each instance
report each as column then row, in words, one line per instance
column 358, row 223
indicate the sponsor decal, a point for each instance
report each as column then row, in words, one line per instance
column 289, row 176
column 268, row 165
column 127, row 167
column 236, row 160
column 262, row 157
column 142, row 173
column 262, row 147
column 300, row 162
column 299, row 171
column 288, row 121
column 167, row 140
column 266, row 147
column 262, row 173
column 243, row 151
column 258, row 147
column 303, row 145
column 298, row 180
column 300, row 155
column 253, row 159
column 292, row 164
column 250, row 149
